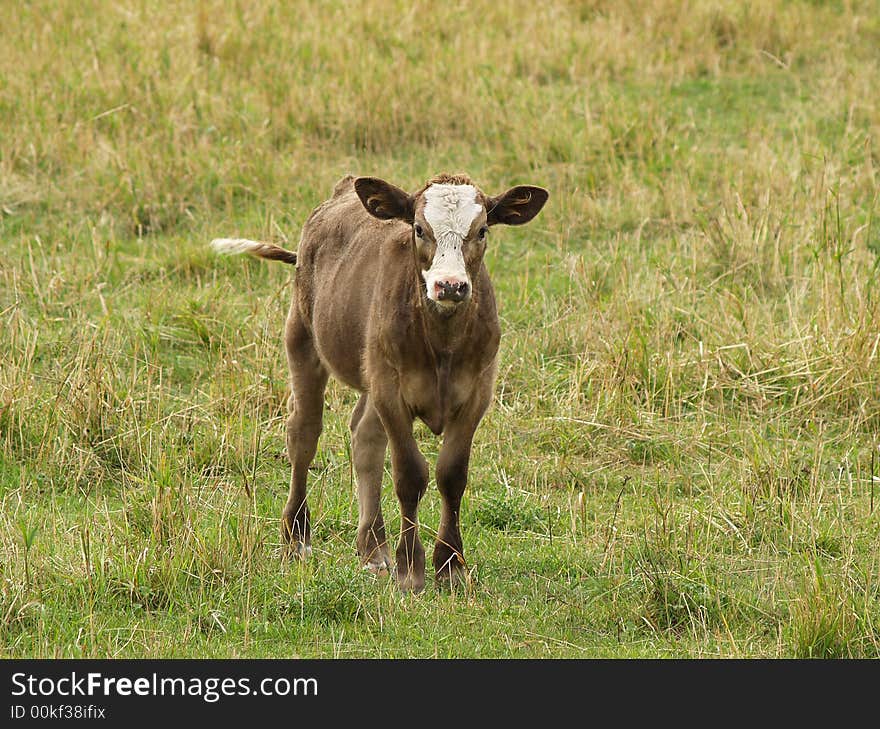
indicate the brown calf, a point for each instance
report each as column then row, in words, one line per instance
column 392, row 298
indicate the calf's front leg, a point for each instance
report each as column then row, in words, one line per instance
column 452, row 469
column 452, row 474
column 410, row 471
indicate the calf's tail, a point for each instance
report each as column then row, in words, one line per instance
column 254, row 248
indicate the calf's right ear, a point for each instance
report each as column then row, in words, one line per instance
column 383, row 200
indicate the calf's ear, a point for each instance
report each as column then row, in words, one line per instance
column 383, row 200
column 516, row 206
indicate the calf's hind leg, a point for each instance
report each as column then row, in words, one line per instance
column 308, row 379
column 368, row 443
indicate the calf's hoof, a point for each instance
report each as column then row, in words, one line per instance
column 452, row 578
column 295, row 532
column 379, row 564
column 410, row 567
column 449, row 568
column 299, row 551
column 374, row 554
column 410, row 581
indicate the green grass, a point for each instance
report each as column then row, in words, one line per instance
column 681, row 457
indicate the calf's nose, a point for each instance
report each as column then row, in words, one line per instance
column 451, row 290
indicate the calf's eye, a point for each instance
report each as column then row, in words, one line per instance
column 482, row 233
column 418, row 230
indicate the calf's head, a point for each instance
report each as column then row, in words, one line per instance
column 450, row 219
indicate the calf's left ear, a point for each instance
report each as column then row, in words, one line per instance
column 516, row 206
column 384, row 200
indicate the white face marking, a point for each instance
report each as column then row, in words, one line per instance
column 450, row 210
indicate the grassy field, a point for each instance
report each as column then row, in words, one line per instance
column 680, row 460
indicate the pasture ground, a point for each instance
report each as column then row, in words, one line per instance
column 681, row 457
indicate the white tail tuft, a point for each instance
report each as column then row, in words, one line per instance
column 230, row 246
column 255, row 248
